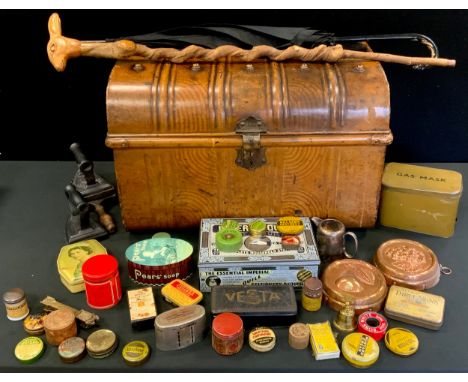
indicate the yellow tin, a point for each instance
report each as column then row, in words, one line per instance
column 360, row 350
column 420, row 199
column 401, row 341
column 415, row 307
column 179, row 293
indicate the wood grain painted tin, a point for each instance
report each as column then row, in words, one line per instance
column 60, row 325
column 415, row 307
column 180, row 327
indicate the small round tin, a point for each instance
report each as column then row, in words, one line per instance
column 299, row 335
column 290, row 242
column 373, row 324
column 136, row 353
column 15, row 304
column 228, row 240
column 34, row 324
column 360, row 350
column 101, row 343
column 408, row 263
column 290, row 225
column 401, row 341
column 29, row 349
column 312, row 294
column 60, row 325
column 229, row 224
column 72, row 349
column 227, row 333
column 354, row 281
column 257, row 228
column 262, row 339
column 257, row 243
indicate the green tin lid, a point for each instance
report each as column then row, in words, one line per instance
column 29, row 350
column 257, row 228
column 136, row 353
column 161, row 235
column 159, row 251
column 229, row 224
column 228, row 240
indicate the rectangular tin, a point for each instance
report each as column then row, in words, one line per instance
column 415, row 307
column 257, row 305
column 244, row 267
column 142, row 308
column 420, row 199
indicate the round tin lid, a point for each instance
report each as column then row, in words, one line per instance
column 299, row 335
column 72, row 349
column 99, row 268
column 312, row 285
column 257, row 228
column 228, row 240
column 161, row 235
column 29, row 349
column 290, row 225
column 401, row 341
column 159, row 251
column 59, row 319
column 408, row 263
column 227, row 325
column 355, row 281
column 34, row 323
column 360, row 350
column 229, row 224
column 262, row 339
column 101, row 342
column 13, row 296
column 136, row 353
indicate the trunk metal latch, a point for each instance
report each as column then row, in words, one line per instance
column 251, row 155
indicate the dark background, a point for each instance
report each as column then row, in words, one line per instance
column 43, row 111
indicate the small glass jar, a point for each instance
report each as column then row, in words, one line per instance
column 312, row 294
column 15, row 304
column 227, row 334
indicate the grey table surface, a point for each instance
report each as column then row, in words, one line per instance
column 33, row 211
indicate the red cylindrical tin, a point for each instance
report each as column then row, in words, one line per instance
column 227, row 334
column 373, row 324
column 102, row 281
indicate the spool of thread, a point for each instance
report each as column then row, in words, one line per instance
column 373, row 324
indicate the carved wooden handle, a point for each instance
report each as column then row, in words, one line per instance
column 60, row 49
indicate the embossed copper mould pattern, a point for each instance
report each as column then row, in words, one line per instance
column 408, row 263
column 354, row 281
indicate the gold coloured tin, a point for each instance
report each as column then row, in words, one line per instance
column 356, row 282
column 34, row 324
column 401, row 341
column 415, row 307
column 360, row 350
column 72, row 349
column 101, row 343
column 29, row 349
column 408, row 263
column 136, row 353
column 420, row 199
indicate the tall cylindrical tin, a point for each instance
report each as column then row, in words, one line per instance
column 15, row 304
column 227, row 334
column 60, row 325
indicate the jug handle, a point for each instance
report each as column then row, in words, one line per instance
column 316, row 220
column 353, row 235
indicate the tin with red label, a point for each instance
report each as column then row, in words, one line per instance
column 102, row 281
column 179, row 293
column 227, row 334
column 373, row 324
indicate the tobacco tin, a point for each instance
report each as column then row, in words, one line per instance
column 142, row 307
column 262, row 339
column 136, row 353
column 408, row 263
column 34, row 324
column 101, row 343
column 415, row 307
column 257, row 305
column 360, row 350
column 179, row 293
column 29, row 349
column 72, row 349
column 354, row 281
column 401, row 341
column 180, row 327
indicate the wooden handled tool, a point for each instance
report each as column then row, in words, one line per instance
column 61, row 48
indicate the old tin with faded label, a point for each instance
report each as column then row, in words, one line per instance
column 408, row 263
column 15, row 304
column 354, row 281
column 180, row 327
column 260, row 260
column 142, row 307
column 420, row 199
column 415, row 307
column 257, row 305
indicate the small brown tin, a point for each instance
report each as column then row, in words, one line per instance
column 299, row 335
column 59, row 325
column 34, row 324
column 354, row 281
column 72, row 349
column 408, row 263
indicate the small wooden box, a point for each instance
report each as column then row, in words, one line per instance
column 259, row 139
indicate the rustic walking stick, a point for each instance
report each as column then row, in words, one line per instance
column 61, row 48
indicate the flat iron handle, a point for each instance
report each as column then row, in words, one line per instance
column 85, row 166
column 77, row 203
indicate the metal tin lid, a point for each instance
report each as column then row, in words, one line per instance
column 229, row 224
column 408, row 263
column 159, row 251
column 290, row 225
column 227, row 326
column 13, row 296
column 29, row 349
column 354, row 281
column 258, row 243
column 299, row 335
column 179, row 316
column 34, row 323
column 99, row 268
column 312, row 286
column 360, row 350
column 72, row 349
column 101, row 342
column 401, row 341
column 180, row 293
column 228, row 240
column 409, row 177
column 262, row 339
column 258, row 228
column 136, row 353
column 59, row 319
column 161, row 235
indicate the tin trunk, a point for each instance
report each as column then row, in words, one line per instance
column 230, row 139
